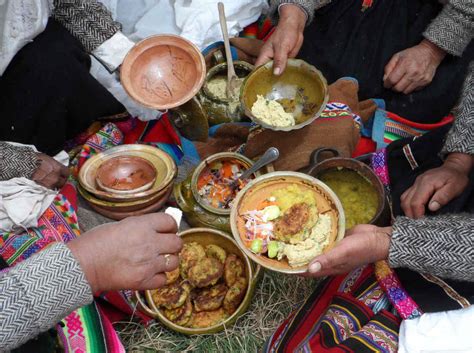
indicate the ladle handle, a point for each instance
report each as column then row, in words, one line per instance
column 269, row 156
column 225, row 34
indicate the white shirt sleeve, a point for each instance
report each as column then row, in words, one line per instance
column 112, row 52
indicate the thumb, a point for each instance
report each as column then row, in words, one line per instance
column 441, row 197
column 266, row 54
column 321, row 263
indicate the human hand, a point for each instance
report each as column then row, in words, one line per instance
column 436, row 187
column 131, row 254
column 363, row 244
column 413, row 68
column 50, row 173
column 286, row 40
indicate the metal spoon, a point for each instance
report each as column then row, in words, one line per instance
column 269, row 156
column 232, row 83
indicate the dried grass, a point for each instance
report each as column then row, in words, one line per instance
column 275, row 297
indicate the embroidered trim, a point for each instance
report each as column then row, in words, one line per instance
column 463, row 302
column 410, row 157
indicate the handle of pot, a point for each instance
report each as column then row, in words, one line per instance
column 316, row 154
column 143, row 306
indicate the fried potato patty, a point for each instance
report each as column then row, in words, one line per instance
column 293, row 222
column 210, row 298
column 205, row 319
column 205, row 273
column 233, row 269
column 235, row 295
column 191, row 254
column 172, row 295
column 172, row 276
column 216, row 252
column 180, row 316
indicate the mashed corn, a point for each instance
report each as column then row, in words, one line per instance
column 271, row 112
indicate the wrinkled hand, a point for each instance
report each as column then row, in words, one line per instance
column 50, row 173
column 131, row 254
column 362, row 245
column 436, row 187
column 286, row 40
column 414, row 68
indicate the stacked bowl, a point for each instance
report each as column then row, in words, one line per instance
column 127, row 180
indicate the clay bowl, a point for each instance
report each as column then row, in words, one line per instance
column 163, row 71
column 126, row 206
column 300, row 83
column 206, row 236
column 119, row 214
column 162, row 163
column 261, row 188
column 126, row 175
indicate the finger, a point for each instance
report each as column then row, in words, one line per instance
column 266, row 54
column 403, row 84
column 160, row 222
column 406, row 201
column 281, row 51
column 166, row 263
column 412, row 87
column 297, row 47
column 420, row 199
column 395, row 75
column 390, row 66
column 168, row 243
column 441, row 197
column 65, row 172
column 157, row 281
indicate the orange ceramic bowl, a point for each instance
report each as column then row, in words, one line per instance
column 163, row 71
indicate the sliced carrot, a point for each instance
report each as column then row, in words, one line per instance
column 227, row 170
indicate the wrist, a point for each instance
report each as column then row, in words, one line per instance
column 460, row 161
column 81, row 254
column 292, row 14
column 436, row 52
column 384, row 235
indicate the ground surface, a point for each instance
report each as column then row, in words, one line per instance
column 275, row 297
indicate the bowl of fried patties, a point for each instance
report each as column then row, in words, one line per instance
column 212, row 287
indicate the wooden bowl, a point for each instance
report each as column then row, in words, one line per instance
column 163, row 71
column 206, row 236
column 162, row 162
column 126, row 175
column 299, row 80
column 261, row 188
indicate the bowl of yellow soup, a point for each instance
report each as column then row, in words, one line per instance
column 360, row 191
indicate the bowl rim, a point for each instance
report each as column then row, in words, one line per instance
column 277, row 175
column 143, row 187
column 200, row 168
column 291, row 62
column 112, row 152
column 253, row 275
column 137, row 49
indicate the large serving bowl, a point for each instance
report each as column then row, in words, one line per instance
column 163, row 71
column 161, row 162
column 205, row 236
column 300, row 83
column 261, row 189
column 320, row 166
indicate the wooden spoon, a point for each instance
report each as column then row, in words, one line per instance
column 232, row 83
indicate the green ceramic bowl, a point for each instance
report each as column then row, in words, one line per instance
column 205, row 236
column 302, row 89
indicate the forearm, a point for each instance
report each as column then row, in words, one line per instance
column 17, row 161
column 92, row 24
column 308, row 6
column 453, row 28
column 441, row 245
column 39, row 292
column 461, row 136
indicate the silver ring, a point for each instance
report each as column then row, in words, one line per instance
column 167, row 260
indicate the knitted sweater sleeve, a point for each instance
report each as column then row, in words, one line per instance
column 16, row 161
column 441, row 245
column 461, row 136
column 453, row 28
column 308, row 6
column 38, row 292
